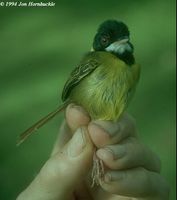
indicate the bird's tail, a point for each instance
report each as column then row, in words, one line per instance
column 40, row 123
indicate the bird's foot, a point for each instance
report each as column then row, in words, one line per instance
column 97, row 171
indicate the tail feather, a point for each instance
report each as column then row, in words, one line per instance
column 40, row 123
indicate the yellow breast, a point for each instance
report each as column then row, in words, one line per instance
column 105, row 92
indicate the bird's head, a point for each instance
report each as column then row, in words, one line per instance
column 113, row 36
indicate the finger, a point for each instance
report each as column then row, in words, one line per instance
column 137, row 183
column 129, row 154
column 76, row 116
column 62, row 173
column 109, row 132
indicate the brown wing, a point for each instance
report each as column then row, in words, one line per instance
column 79, row 73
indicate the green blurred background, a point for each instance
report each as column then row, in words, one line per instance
column 38, row 49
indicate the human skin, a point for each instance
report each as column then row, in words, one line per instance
column 132, row 170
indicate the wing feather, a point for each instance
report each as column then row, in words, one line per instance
column 86, row 67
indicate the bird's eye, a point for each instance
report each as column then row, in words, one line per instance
column 105, row 40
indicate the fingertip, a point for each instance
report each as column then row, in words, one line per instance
column 104, row 132
column 110, row 127
column 76, row 116
column 98, row 135
column 105, row 154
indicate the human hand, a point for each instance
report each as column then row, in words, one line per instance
column 62, row 175
column 131, row 168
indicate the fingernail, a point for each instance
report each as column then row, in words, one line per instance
column 105, row 154
column 77, row 143
column 110, row 127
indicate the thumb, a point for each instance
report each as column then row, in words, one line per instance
column 63, row 172
column 77, row 156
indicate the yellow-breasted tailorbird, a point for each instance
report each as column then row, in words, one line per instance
column 105, row 79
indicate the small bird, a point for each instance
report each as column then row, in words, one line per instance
column 104, row 81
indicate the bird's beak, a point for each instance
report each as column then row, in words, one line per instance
column 119, row 46
column 122, row 41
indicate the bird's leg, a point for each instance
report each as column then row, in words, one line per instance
column 97, row 170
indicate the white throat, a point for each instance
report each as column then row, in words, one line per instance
column 119, row 47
